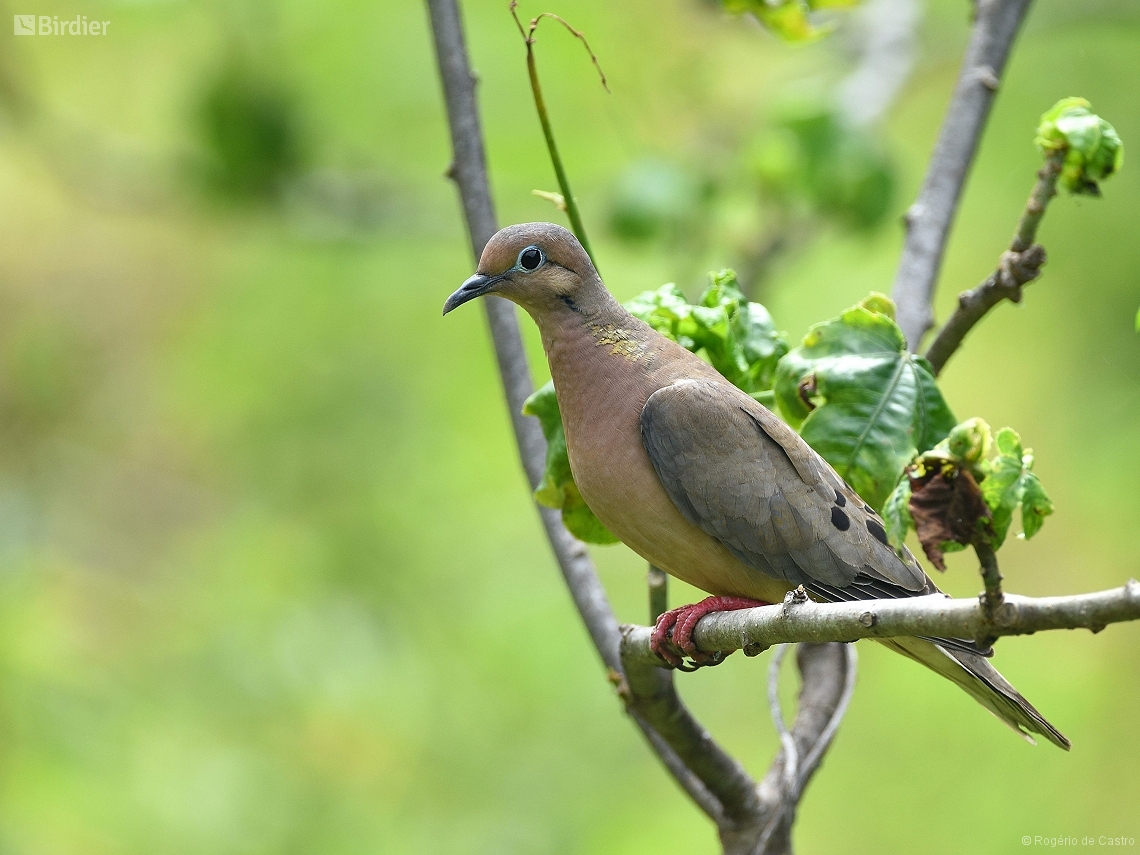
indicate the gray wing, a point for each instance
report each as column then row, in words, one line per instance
column 747, row 479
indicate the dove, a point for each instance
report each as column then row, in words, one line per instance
column 700, row 479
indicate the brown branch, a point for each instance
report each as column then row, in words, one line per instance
column 1019, row 265
column 930, row 217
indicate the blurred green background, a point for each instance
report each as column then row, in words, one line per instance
column 270, row 580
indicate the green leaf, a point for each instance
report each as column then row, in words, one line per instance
column 861, row 399
column 1011, row 483
column 1006, row 481
column 786, row 18
column 557, row 489
column 813, row 157
column 653, row 199
column 1035, row 505
column 1093, row 149
column 896, row 513
column 738, row 338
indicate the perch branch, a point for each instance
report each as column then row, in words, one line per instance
column 934, row 615
column 1019, row 265
column 930, row 217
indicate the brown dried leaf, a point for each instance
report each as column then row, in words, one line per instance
column 946, row 505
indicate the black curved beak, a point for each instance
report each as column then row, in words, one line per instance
column 476, row 286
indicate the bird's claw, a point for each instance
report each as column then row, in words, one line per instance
column 672, row 637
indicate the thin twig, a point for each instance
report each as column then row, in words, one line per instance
column 933, row 616
column 1019, row 265
column 571, row 204
column 930, row 217
column 786, row 763
column 815, row 756
column 993, row 596
column 791, row 756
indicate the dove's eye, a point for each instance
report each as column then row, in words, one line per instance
column 531, row 258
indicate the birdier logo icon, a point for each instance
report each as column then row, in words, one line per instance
column 24, row 25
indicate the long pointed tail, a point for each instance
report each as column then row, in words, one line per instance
column 978, row 677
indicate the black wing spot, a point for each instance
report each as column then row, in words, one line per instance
column 877, row 531
column 840, row 520
column 839, row 500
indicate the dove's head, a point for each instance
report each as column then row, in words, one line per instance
column 540, row 266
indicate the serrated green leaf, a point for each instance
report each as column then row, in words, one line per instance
column 1035, row 505
column 580, row 520
column 1008, row 442
column 738, row 338
column 1001, row 492
column 896, row 513
column 1011, row 483
column 870, row 405
column 969, row 442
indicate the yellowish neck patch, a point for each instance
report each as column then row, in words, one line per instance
column 620, row 341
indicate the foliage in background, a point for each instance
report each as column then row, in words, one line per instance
column 791, row 20
column 813, row 159
column 805, row 169
column 251, row 131
column 654, row 199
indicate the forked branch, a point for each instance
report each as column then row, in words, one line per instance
column 929, row 219
column 1019, row 265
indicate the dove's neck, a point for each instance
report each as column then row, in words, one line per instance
column 605, row 363
column 592, row 340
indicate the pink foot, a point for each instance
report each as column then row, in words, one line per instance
column 675, row 629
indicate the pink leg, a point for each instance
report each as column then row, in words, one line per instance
column 675, row 628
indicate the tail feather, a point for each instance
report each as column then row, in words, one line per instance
column 983, row 682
